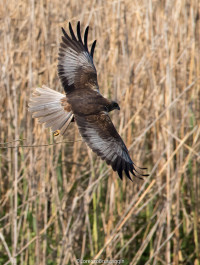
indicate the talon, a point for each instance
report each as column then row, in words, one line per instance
column 56, row 133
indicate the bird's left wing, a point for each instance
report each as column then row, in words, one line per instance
column 75, row 63
column 101, row 136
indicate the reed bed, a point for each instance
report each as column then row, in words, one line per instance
column 59, row 203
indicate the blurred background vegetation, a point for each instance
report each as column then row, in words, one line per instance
column 58, row 201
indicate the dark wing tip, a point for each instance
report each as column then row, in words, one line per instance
column 85, row 38
column 139, row 175
column 92, row 48
column 145, row 175
column 120, row 165
column 79, row 32
column 128, row 168
column 127, row 174
column 72, row 32
column 142, row 168
column 65, row 33
column 73, row 37
column 120, row 173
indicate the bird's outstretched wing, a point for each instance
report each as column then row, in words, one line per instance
column 75, row 63
column 101, row 136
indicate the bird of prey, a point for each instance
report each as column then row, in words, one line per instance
column 82, row 103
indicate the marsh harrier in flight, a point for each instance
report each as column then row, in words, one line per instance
column 82, row 103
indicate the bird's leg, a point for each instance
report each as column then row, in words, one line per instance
column 56, row 133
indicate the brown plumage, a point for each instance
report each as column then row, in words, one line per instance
column 83, row 104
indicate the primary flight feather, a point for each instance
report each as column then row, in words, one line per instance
column 82, row 103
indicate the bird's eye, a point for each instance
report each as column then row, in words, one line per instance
column 116, row 105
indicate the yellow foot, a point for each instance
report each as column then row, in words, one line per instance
column 56, row 133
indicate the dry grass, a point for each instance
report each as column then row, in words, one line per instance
column 58, row 201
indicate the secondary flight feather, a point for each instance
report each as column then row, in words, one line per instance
column 82, row 103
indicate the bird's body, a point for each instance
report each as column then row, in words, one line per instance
column 87, row 102
column 82, row 103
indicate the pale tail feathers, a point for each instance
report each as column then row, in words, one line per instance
column 45, row 104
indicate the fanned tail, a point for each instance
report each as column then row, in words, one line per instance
column 45, row 104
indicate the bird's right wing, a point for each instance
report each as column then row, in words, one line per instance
column 101, row 136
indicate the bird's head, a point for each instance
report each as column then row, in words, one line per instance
column 114, row 105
